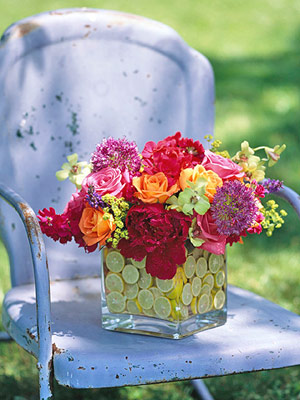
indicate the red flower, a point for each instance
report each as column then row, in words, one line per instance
column 54, row 225
column 171, row 155
column 158, row 234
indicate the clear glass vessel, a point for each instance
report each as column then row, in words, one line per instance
column 194, row 300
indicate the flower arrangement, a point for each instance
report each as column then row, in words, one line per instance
column 174, row 193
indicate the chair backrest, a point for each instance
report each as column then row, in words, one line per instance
column 68, row 78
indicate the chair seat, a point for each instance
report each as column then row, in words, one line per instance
column 258, row 335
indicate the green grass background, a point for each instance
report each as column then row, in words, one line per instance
column 254, row 49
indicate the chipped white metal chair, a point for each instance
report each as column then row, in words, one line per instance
column 68, row 78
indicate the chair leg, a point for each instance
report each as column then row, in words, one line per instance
column 202, row 390
column 45, row 381
column 4, row 337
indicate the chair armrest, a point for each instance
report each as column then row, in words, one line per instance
column 41, row 273
column 291, row 197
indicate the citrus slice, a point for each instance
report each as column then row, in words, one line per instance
column 165, row 285
column 205, row 289
column 184, row 311
column 146, row 299
column 175, row 311
column 189, row 266
column 115, row 261
column 115, row 302
column 180, row 275
column 219, row 279
column 150, row 312
column 131, row 291
column 203, row 304
column 155, row 291
column 145, row 280
column 209, row 280
column 196, row 286
column 211, row 302
column 187, row 296
column 194, row 305
column 206, row 254
column 215, row 262
column 197, row 253
column 178, row 285
column 133, row 307
column 114, row 282
column 219, row 299
column 138, row 264
column 201, row 267
column 162, row 307
column 130, row 274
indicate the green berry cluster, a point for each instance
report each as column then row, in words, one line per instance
column 273, row 218
column 117, row 207
column 215, row 146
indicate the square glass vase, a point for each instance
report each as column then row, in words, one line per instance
column 193, row 301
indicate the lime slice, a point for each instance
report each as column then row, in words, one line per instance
column 205, row 289
column 175, row 311
column 187, row 296
column 203, row 304
column 133, row 307
column 196, row 286
column 114, row 283
column 180, row 275
column 138, row 264
column 201, row 267
column 209, row 280
column 178, row 285
column 219, row 279
column 184, row 311
column 162, row 307
column 197, row 253
column 211, row 302
column 115, row 302
column 165, row 285
column 149, row 313
column 115, row 261
column 206, row 254
column 155, row 291
column 146, row 299
column 130, row 274
column 189, row 266
column 131, row 291
column 145, row 280
column 215, row 262
column 194, row 305
column 219, row 299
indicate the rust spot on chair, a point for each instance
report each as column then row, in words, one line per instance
column 22, row 30
column 81, row 368
column 33, row 228
column 57, row 350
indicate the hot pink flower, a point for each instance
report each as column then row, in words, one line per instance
column 225, row 168
column 158, row 234
column 106, row 181
column 207, row 230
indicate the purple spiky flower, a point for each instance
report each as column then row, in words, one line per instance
column 234, row 208
column 117, row 153
column 94, row 199
column 271, row 185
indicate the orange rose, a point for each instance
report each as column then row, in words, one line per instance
column 94, row 227
column 192, row 174
column 153, row 188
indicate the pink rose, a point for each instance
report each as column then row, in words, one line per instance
column 225, row 168
column 207, row 230
column 106, row 181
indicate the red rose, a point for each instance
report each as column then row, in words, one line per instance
column 158, row 234
column 214, row 242
column 171, row 155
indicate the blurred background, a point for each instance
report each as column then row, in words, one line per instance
column 254, row 50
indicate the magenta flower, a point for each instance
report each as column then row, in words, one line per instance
column 117, row 153
column 271, row 185
column 234, row 208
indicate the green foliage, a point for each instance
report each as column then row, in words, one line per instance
column 254, row 49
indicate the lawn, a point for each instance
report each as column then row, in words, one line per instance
column 254, row 49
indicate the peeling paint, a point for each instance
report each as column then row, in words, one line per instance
column 57, row 350
column 22, row 30
column 33, row 228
